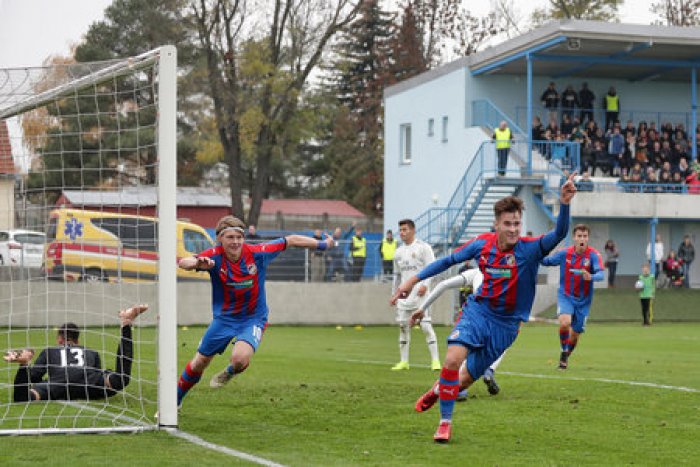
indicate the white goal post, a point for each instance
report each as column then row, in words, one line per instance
column 80, row 134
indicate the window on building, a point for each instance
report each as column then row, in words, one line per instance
column 444, row 129
column 431, row 126
column 406, row 143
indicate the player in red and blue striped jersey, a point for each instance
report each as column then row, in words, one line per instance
column 580, row 265
column 237, row 272
column 509, row 264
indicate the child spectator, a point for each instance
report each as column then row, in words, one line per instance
column 646, row 284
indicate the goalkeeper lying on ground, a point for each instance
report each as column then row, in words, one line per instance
column 74, row 372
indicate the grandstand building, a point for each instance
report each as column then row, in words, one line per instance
column 440, row 160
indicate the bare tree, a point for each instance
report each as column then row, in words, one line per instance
column 259, row 57
column 598, row 10
column 677, row 12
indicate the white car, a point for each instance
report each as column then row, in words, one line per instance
column 22, row 248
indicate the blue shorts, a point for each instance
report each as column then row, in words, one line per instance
column 220, row 332
column 578, row 312
column 485, row 337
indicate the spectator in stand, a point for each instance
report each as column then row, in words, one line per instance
column 629, row 129
column 681, row 128
column 611, row 103
column 686, row 253
column 655, row 156
column 358, row 251
column 318, row 260
column 547, row 144
column 682, row 141
column 616, row 148
column 503, row 138
column 586, row 100
column 537, row 134
column 584, row 183
column 677, row 182
column 676, row 154
column 252, row 236
column 658, row 254
column 550, row 100
column 665, row 181
column 612, row 255
column 335, row 259
column 684, row 167
column 566, row 125
column 673, row 268
column 666, row 152
column 643, row 127
column 569, row 102
column 592, row 128
column 600, row 159
column 651, row 181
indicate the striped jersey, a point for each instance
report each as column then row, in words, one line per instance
column 510, row 277
column 238, row 287
column 572, row 266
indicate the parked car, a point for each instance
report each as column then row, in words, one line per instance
column 22, row 248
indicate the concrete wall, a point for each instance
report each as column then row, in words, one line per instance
column 41, row 303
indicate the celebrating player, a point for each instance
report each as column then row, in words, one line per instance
column 469, row 279
column 509, row 264
column 580, row 265
column 410, row 258
column 74, row 371
column 237, row 272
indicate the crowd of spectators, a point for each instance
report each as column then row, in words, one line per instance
column 641, row 155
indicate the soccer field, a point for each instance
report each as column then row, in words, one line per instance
column 322, row 396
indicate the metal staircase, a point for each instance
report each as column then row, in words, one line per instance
column 470, row 209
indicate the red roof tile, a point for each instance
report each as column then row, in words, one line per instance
column 309, row 207
column 7, row 165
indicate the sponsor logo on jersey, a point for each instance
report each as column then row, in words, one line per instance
column 499, row 272
column 246, row 284
column 586, row 262
column 252, row 269
column 576, row 271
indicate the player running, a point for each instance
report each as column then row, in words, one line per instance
column 410, row 258
column 73, row 371
column 580, row 265
column 237, row 272
column 509, row 264
column 469, row 280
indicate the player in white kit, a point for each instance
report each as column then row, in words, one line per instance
column 470, row 280
column 412, row 256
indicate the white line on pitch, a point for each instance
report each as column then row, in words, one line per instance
column 222, row 449
column 566, row 378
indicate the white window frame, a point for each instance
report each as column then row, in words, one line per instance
column 405, row 143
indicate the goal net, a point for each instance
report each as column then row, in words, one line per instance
column 87, row 228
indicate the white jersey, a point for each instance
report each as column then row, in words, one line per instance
column 408, row 261
column 471, row 277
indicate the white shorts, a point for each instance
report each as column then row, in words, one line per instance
column 402, row 316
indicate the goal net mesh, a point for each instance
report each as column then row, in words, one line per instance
column 78, row 237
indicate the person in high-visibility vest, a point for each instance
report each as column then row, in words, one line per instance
column 387, row 249
column 503, row 137
column 358, row 251
column 611, row 101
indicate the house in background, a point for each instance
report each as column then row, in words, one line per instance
column 7, row 180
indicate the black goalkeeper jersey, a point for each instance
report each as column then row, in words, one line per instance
column 71, row 365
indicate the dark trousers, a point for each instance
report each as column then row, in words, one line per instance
column 502, row 160
column 358, row 266
column 118, row 379
column 388, row 266
column 612, row 269
column 610, row 119
column 646, row 311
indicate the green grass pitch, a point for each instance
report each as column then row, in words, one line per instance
column 321, row 396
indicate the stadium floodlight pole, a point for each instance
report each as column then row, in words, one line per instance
column 167, row 238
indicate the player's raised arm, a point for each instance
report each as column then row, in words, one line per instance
column 194, row 262
column 302, row 241
column 552, row 238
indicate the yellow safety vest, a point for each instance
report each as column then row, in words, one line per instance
column 502, row 138
column 612, row 103
column 388, row 249
column 359, row 247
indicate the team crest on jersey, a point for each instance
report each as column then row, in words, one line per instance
column 454, row 334
column 510, row 260
column 586, row 262
column 252, row 268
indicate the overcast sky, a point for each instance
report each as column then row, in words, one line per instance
column 32, row 30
